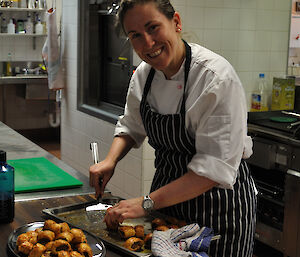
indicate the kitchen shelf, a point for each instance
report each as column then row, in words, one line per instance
column 22, row 35
column 14, row 9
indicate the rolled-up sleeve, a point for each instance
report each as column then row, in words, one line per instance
column 220, row 131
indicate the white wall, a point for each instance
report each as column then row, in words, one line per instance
column 251, row 34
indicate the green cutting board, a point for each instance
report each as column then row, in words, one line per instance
column 39, row 174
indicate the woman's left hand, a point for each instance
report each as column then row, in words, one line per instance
column 125, row 209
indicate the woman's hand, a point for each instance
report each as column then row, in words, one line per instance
column 125, row 209
column 100, row 174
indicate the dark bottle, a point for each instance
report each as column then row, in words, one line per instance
column 7, row 190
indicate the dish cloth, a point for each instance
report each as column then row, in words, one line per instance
column 190, row 240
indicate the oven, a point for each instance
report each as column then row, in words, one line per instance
column 275, row 166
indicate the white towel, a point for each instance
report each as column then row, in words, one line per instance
column 190, row 240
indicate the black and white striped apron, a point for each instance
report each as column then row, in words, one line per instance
column 231, row 213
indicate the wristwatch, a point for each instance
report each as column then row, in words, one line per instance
column 148, row 204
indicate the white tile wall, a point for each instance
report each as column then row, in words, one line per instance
column 251, row 34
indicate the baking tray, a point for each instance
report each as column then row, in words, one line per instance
column 76, row 216
column 95, row 243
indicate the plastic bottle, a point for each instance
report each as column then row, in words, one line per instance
column 11, row 29
column 39, row 29
column 8, row 65
column 7, row 190
column 259, row 97
column 3, row 26
column 28, row 26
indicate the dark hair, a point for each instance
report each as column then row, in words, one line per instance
column 164, row 6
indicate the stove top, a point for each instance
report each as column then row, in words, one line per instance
column 276, row 122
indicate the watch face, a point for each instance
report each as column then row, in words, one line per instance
column 147, row 204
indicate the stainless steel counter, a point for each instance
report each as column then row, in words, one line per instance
column 26, row 79
column 19, row 147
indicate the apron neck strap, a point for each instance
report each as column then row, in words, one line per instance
column 188, row 58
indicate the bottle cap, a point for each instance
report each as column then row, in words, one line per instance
column 261, row 75
column 2, row 156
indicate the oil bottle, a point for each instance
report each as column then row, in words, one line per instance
column 259, row 98
column 7, row 190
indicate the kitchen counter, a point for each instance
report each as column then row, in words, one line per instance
column 19, row 147
column 24, row 79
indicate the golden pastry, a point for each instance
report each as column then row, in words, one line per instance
column 158, row 222
column 22, row 238
column 75, row 254
column 60, row 245
column 45, row 236
column 65, row 227
column 25, row 247
column 37, row 250
column 79, row 236
column 68, row 236
column 172, row 220
column 147, row 241
column 33, row 236
column 49, row 246
column 47, row 254
column 139, row 231
column 114, row 226
column 162, row 228
column 48, row 223
column 134, row 244
column 85, row 250
column 63, row 254
column 126, row 231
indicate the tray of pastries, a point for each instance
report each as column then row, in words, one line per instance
column 51, row 238
column 132, row 237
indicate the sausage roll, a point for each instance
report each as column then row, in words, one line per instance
column 147, row 241
column 68, row 236
column 45, row 236
column 134, row 244
column 48, row 223
column 60, row 245
column 181, row 223
column 64, row 227
column 75, row 254
column 47, row 254
column 114, row 226
column 37, row 250
column 49, row 246
column 158, row 222
column 79, row 236
column 85, row 250
column 126, row 231
column 173, row 226
column 33, row 236
column 63, row 254
column 139, row 231
column 25, row 247
column 162, row 228
column 22, row 238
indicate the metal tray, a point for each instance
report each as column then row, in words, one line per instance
column 76, row 215
column 95, row 243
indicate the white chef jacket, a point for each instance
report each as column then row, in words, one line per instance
column 216, row 112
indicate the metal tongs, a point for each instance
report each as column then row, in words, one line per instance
column 292, row 114
column 95, row 155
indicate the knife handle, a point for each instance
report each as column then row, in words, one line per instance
column 95, row 152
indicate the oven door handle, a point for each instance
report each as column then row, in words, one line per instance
column 293, row 173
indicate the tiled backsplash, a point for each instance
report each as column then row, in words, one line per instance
column 251, row 34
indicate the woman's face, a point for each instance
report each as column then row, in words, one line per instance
column 155, row 38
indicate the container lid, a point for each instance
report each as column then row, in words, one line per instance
column 2, row 156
